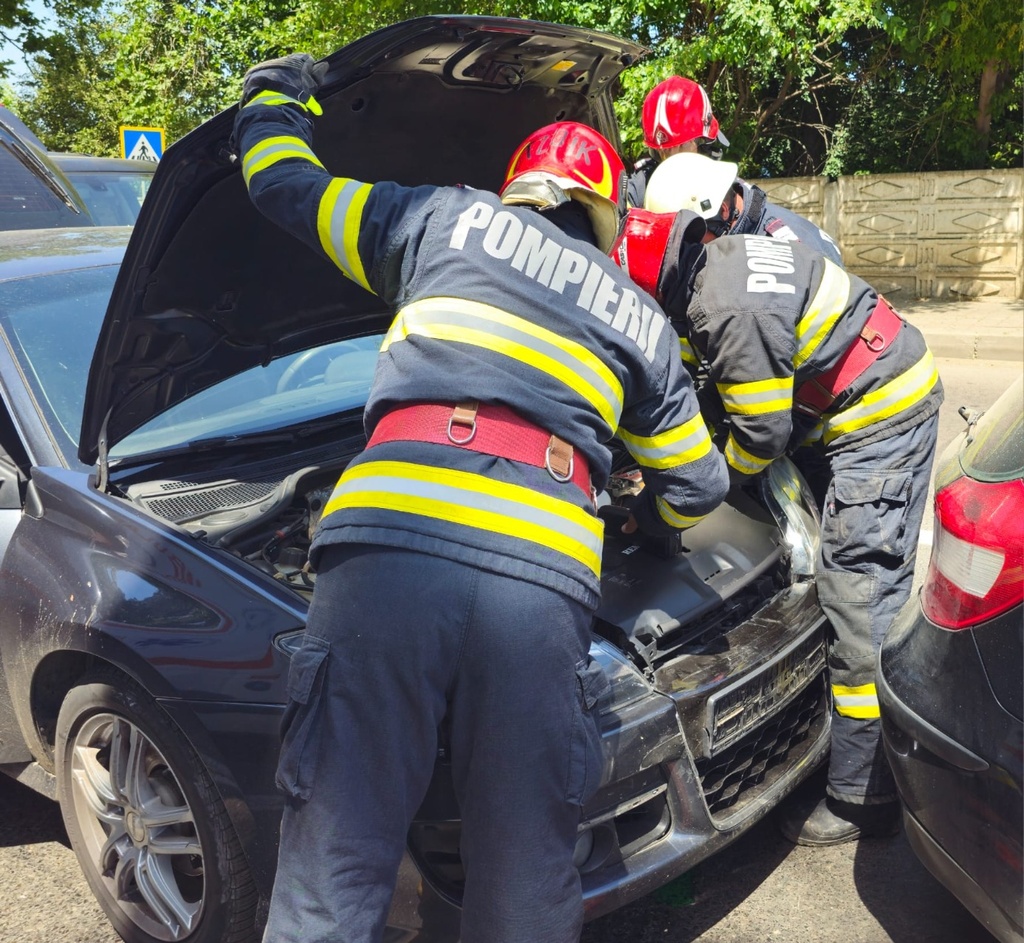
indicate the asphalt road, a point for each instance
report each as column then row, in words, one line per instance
column 759, row 890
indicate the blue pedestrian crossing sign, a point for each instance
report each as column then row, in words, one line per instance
column 142, row 143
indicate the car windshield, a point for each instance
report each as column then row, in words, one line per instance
column 51, row 323
column 112, row 198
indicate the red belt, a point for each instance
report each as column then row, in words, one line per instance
column 815, row 396
column 487, row 428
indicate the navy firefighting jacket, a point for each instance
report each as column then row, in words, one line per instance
column 768, row 315
column 496, row 304
column 762, row 217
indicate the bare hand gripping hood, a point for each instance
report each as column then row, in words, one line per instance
column 210, row 288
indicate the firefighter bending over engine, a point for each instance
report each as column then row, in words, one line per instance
column 459, row 555
column 810, row 360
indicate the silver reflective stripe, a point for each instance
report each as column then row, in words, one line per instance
column 501, row 332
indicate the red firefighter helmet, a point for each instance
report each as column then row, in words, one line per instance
column 677, row 111
column 568, row 160
column 639, row 248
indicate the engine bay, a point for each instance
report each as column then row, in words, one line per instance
column 657, row 594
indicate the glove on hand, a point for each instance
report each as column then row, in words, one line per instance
column 297, row 75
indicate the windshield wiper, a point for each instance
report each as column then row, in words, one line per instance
column 37, row 167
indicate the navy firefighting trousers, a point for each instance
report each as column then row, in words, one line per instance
column 873, row 499
column 397, row 641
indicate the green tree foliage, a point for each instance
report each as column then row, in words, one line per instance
column 800, row 86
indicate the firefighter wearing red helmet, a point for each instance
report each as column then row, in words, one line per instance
column 809, row 360
column 677, row 118
column 516, row 352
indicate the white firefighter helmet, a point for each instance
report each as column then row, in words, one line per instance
column 690, row 182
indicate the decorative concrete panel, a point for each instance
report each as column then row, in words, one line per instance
column 961, row 233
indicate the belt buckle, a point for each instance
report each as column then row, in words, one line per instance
column 875, row 343
column 553, row 473
column 469, row 438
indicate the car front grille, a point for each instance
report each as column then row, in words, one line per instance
column 739, row 774
column 736, row 711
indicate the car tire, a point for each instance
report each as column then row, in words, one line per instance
column 150, row 831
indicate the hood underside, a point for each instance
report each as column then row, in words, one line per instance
column 210, row 288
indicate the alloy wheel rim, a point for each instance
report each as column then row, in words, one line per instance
column 138, row 829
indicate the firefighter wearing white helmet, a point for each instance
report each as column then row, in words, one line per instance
column 810, row 361
column 731, row 206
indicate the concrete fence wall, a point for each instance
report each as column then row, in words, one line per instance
column 938, row 235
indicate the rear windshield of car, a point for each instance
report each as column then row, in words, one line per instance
column 112, row 198
column 996, row 451
column 27, row 202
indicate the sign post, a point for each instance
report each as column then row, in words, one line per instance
column 142, row 143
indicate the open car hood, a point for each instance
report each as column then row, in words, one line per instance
column 210, row 288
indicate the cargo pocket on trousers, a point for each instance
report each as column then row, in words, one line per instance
column 866, row 522
column 302, row 723
column 586, row 759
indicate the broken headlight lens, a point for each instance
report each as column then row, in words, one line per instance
column 788, row 497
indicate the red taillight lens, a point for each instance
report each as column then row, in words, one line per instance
column 976, row 569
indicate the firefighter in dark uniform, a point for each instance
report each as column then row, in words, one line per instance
column 808, row 357
column 676, row 119
column 729, row 206
column 459, row 555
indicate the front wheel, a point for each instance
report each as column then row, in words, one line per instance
column 150, row 832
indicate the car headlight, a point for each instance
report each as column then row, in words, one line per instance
column 627, row 684
column 788, row 497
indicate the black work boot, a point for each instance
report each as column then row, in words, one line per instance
column 827, row 821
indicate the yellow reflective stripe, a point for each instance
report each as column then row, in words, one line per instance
column 908, row 388
column 266, row 97
column 483, row 325
column 672, row 517
column 337, row 222
column 740, row 459
column 269, row 151
column 814, row 434
column 473, row 501
column 680, row 445
column 860, row 702
column 688, row 353
column 758, row 397
column 826, row 307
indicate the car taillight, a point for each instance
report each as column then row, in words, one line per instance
column 976, row 569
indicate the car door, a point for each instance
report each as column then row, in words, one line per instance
column 12, row 745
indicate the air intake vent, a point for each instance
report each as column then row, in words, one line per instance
column 187, row 507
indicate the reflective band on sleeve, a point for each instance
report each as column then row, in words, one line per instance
column 677, row 446
column 271, row 150
column 826, row 307
column 338, row 220
column 757, row 397
column 688, row 353
column 740, row 459
column 473, row 501
column 904, row 391
column 482, row 325
column 859, row 702
column 267, row 97
column 672, row 517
